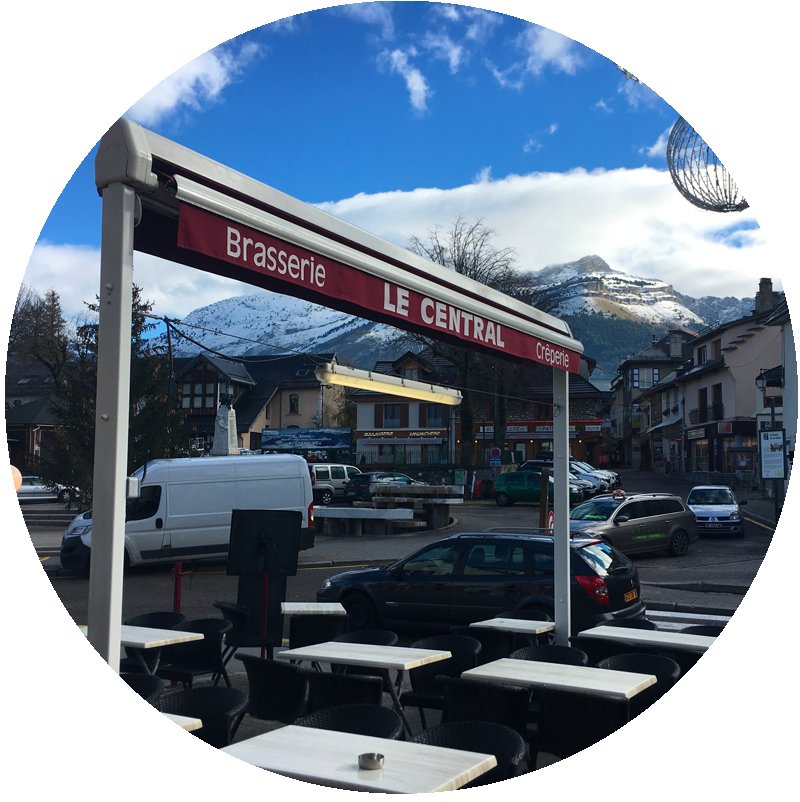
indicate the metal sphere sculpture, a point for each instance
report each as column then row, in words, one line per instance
column 698, row 174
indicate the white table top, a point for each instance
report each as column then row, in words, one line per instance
column 365, row 654
column 186, row 722
column 330, row 758
column 533, row 673
column 149, row 638
column 312, row 608
column 521, row 625
column 679, row 641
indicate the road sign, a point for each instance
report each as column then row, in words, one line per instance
column 678, row 439
column 551, row 519
column 495, row 453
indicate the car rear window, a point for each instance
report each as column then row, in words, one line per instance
column 362, row 479
column 604, row 560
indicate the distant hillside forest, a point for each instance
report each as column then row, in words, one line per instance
column 611, row 340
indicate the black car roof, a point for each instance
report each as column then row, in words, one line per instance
column 576, row 541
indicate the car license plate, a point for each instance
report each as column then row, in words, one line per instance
column 631, row 595
column 713, row 526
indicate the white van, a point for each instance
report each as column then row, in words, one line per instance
column 184, row 508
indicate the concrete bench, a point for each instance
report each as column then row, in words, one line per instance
column 360, row 520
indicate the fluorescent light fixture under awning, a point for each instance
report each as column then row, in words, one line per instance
column 328, row 373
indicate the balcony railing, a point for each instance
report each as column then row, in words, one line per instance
column 706, row 414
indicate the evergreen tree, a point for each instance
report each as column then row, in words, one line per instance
column 39, row 331
column 156, row 425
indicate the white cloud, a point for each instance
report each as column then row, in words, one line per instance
column 482, row 23
column 658, row 150
column 601, row 104
column 532, row 144
column 444, row 48
column 483, row 176
column 447, row 11
column 637, row 94
column 418, row 89
column 377, row 14
column 546, row 48
column 552, row 129
column 199, row 81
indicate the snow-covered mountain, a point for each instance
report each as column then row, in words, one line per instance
column 266, row 322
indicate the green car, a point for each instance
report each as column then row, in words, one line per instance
column 527, row 486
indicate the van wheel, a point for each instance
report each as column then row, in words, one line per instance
column 679, row 544
column 361, row 612
column 503, row 500
column 326, row 497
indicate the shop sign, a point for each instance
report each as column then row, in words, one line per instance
column 694, row 434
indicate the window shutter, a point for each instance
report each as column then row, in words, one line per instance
column 423, row 415
column 378, row 416
column 403, row 416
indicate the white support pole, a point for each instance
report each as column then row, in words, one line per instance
column 111, row 426
column 561, row 547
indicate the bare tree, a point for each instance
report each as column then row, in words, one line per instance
column 39, row 331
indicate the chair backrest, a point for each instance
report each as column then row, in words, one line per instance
column 375, row 637
column 494, row 643
column 148, row 686
column 703, row 629
column 306, row 630
column 277, row 689
column 479, row 736
column 473, row 700
column 566, row 655
column 157, row 620
column 631, row 623
column 220, row 710
column 331, row 690
column 360, row 719
column 665, row 669
column 527, row 615
column 238, row 616
column 206, row 652
column 464, row 651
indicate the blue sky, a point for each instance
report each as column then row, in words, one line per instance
column 400, row 116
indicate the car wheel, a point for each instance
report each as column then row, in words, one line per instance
column 326, row 497
column 65, row 496
column 503, row 500
column 361, row 612
column 679, row 544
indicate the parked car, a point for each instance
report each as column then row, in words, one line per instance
column 601, row 484
column 716, row 510
column 612, row 476
column 328, row 480
column 362, row 487
column 471, row 577
column 35, row 489
column 517, row 486
column 637, row 522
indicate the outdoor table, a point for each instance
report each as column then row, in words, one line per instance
column 518, row 625
column 330, row 758
column 400, row 658
column 138, row 638
column 312, row 608
column 674, row 641
column 602, row 682
column 187, row 723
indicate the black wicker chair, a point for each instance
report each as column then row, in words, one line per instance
column 199, row 657
column 277, row 690
column 165, row 619
column 308, row 629
column 237, row 636
column 566, row 655
column 331, row 690
column 494, row 643
column 476, row 700
column 666, row 670
column 519, row 641
column 426, row 691
column 703, row 629
column 220, row 709
column 376, row 637
column 361, row 719
column 630, row 623
column 146, row 685
column 507, row 746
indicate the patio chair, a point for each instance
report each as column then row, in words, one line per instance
column 666, row 670
column 331, row 690
column 494, row 643
column 200, row 657
column 277, row 690
column 220, row 709
column 146, row 685
column 307, row 629
column 426, row 691
column 703, row 629
column 165, row 619
column 376, row 637
column 520, row 640
column 361, row 719
column 566, row 655
column 237, row 636
column 630, row 623
column 507, row 746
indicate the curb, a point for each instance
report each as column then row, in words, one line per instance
column 701, row 587
column 696, row 609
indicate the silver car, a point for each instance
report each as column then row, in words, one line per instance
column 35, row 489
column 637, row 522
column 716, row 510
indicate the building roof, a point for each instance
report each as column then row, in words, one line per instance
column 34, row 413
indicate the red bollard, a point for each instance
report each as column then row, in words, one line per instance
column 177, row 574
